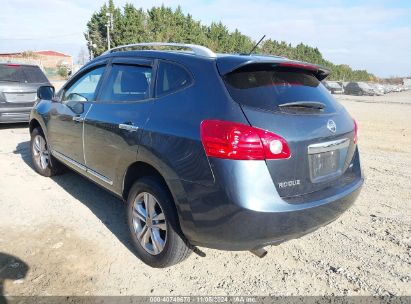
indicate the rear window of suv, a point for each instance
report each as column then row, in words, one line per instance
column 21, row 73
column 267, row 88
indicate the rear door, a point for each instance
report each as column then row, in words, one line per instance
column 113, row 126
column 65, row 124
column 293, row 103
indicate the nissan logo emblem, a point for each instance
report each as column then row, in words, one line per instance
column 331, row 125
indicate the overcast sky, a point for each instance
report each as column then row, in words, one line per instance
column 372, row 35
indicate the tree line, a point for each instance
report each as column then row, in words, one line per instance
column 163, row 24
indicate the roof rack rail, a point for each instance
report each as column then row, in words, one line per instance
column 196, row 49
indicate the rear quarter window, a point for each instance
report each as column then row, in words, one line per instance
column 171, row 78
column 269, row 88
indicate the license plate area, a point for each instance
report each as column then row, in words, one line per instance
column 326, row 160
column 16, row 97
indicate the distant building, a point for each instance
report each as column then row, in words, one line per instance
column 48, row 60
column 407, row 82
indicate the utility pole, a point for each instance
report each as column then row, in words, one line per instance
column 109, row 26
column 90, row 42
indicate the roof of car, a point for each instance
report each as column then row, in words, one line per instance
column 226, row 62
column 151, row 49
column 150, row 53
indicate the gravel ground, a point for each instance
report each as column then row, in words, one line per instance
column 69, row 237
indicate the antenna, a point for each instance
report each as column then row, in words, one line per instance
column 255, row 46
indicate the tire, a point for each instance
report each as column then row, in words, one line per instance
column 43, row 162
column 158, row 242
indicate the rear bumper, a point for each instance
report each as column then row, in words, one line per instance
column 248, row 213
column 18, row 114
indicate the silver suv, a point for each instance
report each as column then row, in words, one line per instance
column 18, row 90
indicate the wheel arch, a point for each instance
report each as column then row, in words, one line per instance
column 141, row 169
column 33, row 124
column 37, row 121
column 136, row 171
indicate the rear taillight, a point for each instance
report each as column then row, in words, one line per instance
column 231, row 140
column 355, row 132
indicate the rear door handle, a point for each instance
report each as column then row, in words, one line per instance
column 128, row 127
column 78, row 118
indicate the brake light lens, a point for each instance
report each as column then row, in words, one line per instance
column 355, row 131
column 298, row 65
column 230, row 140
column 11, row 65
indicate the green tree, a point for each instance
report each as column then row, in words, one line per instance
column 96, row 34
column 131, row 26
column 163, row 24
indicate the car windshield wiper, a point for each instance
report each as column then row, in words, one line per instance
column 304, row 104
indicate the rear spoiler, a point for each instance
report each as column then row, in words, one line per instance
column 229, row 67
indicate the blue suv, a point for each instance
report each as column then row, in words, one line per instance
column 233, row 152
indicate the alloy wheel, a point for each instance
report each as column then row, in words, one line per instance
column 40, row 152
column 149, row 223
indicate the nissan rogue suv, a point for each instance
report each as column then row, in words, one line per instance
column 232, row 152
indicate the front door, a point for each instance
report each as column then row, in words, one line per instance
column 65, row 125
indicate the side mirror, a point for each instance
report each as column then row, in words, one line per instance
column 45, row 92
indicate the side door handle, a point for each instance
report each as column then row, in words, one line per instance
column 78, row 118
column 128, row 126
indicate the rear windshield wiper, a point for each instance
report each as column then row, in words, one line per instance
column 314, row 105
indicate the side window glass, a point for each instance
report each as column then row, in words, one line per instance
column 84, row 88
column 127, row 83
column 171, row 78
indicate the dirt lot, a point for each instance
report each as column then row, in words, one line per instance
column 71, row 237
